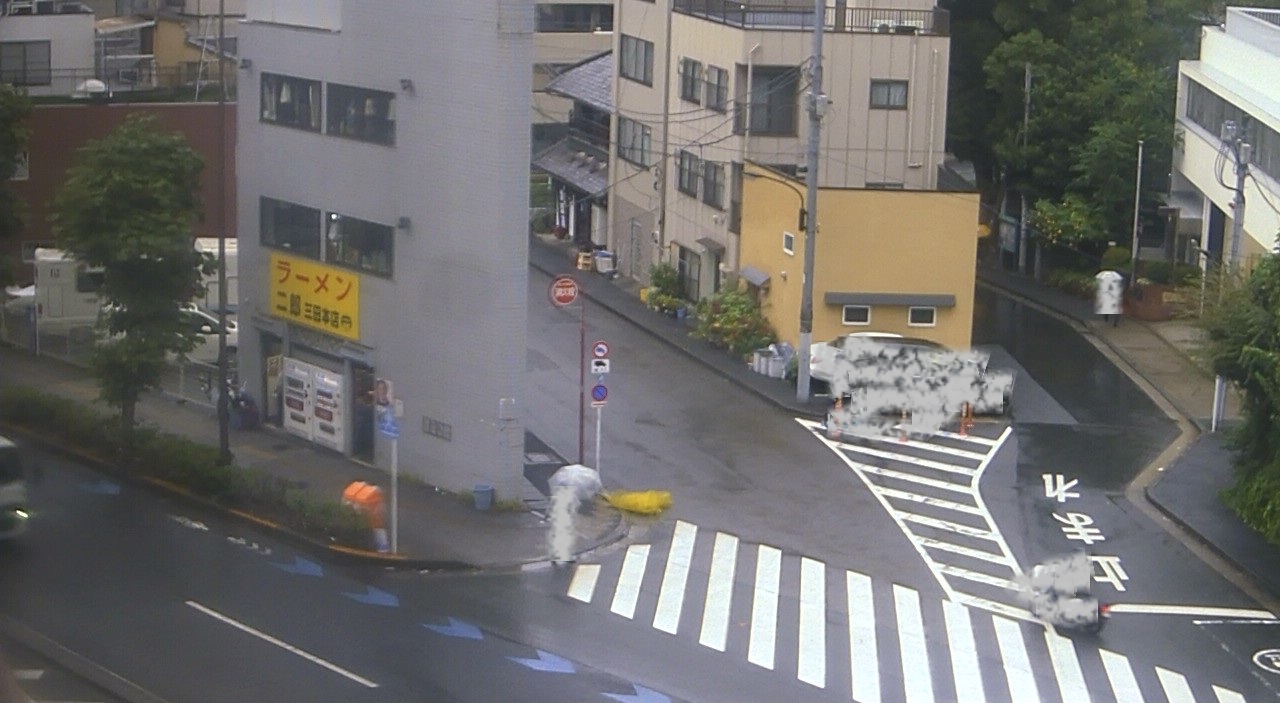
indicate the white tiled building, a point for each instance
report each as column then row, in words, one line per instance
column 383, row 215
column 731, row 76
column 1233, row 80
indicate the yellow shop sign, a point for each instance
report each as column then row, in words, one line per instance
column 315, row 295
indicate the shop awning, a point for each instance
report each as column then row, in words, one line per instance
column 711, row 245
column 932, row 300
column 754, row 276
column 586, row 170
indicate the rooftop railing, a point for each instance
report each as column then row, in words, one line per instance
column 798, row 15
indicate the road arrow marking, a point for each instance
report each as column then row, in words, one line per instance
column 546, row 662
column 301, row 566
column 102, row 487
column 188, row 522
column 457, row 628
column 374, row 596
column 642, row 695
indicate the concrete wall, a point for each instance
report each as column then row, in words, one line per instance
column 71, row 49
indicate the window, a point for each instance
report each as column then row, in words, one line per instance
column 713, row 184
column 293, row 102
column 856, row 315
column 888, row 95
column 294, row 228
column 637, row 60
column 634, row 141
column 691, row 81
column 689, row 268
column 362, row 245
column 717, row 89
column 689, row 170
column 789, row 243
column 773, row 102
column 574, row 18
column 22, row 167
column 25, row 63
column 884, row 185
column 922, row 317
column 1208, row 110
column 89, row 280
column 367, row 115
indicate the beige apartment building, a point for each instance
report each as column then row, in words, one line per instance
column 705, row 85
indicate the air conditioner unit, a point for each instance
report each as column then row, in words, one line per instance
column 128, row 75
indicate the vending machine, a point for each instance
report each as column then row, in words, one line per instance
column 330, row 419
column 298, row 403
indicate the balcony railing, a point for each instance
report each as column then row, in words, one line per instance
column 798, row 15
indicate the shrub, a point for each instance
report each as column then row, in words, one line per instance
column 1115, row 259
column 1076, row 283
column 732, row 320
column 1157, row 271
column 1256, row 499
column 665, row 279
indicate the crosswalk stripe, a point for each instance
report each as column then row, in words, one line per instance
column 628, row 590
column 977, row 577
column 930, row 500
column 929, row 446
column 864, row 665
column 1123, row 684
column 1066, row 665
column 1017, row 665
column 908, row 459
column 715, row 615
column 916, row 680
column 674, row 578
column 1175, row 686
column 921, row 480
column 968, row 438
column 964, row 654
column 764, row 606
column 966, row 551
column 946, row 525
column 583, row 585
column 812, row 665
column 1004, row 609
column 1227, row 696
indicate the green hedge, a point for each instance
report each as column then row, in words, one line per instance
column 1256, row 499
column 184, row 463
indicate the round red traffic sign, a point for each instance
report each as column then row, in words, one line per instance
column 564, row 290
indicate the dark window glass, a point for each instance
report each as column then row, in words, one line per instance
column 359, row 113
column 713, row 184
column 717, row 89
column 773, row 102
column 25, row 63
column 88, row 281
column 888, row 95
column 689, row 168
column 289, row 101
column 293, row 228
column 359, row 244
column 575, row 18
column 691, row 81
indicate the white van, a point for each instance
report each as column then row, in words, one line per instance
column 66, row 292
column 209, row 245
column 13, row 491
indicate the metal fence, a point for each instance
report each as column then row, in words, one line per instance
column 798, row 14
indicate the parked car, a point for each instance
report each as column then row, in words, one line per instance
column 206, row 326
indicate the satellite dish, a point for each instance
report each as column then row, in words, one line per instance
column 91, row 88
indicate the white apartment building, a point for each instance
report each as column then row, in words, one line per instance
column 382, row 230
column 704, row 85
column 1233, row 80
column 567, row 31
column 46, row 48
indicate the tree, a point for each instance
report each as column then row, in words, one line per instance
column 14, row 111
column 128, row 207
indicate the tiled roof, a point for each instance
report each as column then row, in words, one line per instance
column 577, row 164
column 590, row 82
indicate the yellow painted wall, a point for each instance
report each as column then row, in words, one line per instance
column 869, row 241
column 172, row 52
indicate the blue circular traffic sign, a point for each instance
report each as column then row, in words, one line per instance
column 599, row 392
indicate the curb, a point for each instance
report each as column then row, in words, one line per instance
column 108, row 681
column 329, row 552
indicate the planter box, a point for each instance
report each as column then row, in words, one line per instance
column 1152, row 302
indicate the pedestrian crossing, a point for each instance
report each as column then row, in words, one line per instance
column 931, row 490
column 844, row 633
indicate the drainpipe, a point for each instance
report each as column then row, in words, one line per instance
column 746, row 129
column 911, row 122
column 931, row 178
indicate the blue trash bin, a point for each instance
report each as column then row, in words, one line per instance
column 483, row 493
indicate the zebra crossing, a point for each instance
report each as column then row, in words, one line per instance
column 931, row 490
column 842, row 632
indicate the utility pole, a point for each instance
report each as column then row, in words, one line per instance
column 817, row 106
column 666, row 141
column 1137, row 227
column 1242, row 151
column 224, row 415
column 1023, row 236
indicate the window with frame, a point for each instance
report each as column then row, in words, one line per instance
column 360, row 113
column 922, row 316
column 290, row 101
column 293, row 228
column 856, row 315
column 691, row 81
column 689, row 269
column 574, row 18
column 636, row 61
column 789, row 243
column 774, row 100
column 25, row 63
column 713, row 184
column 634, row 141
column 89, row 280
column 888, row 95
column 717, row 82
column 359, row 244
column 689, row 170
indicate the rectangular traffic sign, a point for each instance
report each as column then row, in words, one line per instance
column 599, row 366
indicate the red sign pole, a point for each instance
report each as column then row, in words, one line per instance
column 563, row 292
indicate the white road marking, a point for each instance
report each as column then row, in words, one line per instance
column 1123, row 684
column 811, row 667
column 764, row 607
column 583, row 585
column 994, row 607
column 1227, row 696
column 920, row 480
column 1175, row 686
column 715, row 616
column 977, row 577
column 911, row 645
column 674, row 577
column 964, row 654
column 947, row 525
column 975, row 439
column 628, row 590
column 929, row 500
column 282, row 644
column 908, row 459
column 966, row 551
column 28, row 674
column 1017, row 665
column 1066, row 665
column 864, row 665
column 1192, row 610
column 928, row 446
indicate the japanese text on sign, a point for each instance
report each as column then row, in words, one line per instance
column 1079, row 527
column 315, row 295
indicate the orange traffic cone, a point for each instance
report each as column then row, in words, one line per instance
column 965, row 419
column 833, row 432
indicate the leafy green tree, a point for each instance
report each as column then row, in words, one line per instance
column 128, row 206
column 14, row 111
